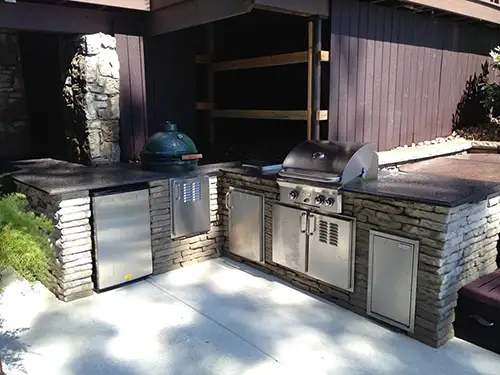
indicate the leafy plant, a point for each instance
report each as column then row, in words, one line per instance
column 24, row 238
column 491, row 90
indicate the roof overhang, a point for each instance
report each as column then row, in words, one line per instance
column 47, row 16
column 172, row 15
column 484, row 10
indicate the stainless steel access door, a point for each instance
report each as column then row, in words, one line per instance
column 246, row 221
column 392, row 279
column 331, row 252
column 190, row 206
column 289, row 237
column 122, row 233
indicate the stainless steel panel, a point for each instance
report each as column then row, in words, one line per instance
column 246, row 221
column 122, row 233
column 392, row 279
column 190, row 206
column 331, row 253
column 289, row 237
column 293, row 193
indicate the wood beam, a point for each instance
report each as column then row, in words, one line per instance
column 297, row 7
column 189, row 13
column 265, row 61
column 465, row 8
column 143, row 5
column 300, row 115
column 160, row 4
column 310, row 62
column 316, row 76
column 56, row 18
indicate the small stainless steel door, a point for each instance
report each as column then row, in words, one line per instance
column 246, row 219
column 122, row 237
column 330, row 250
column 392, row 279
column 190, row 205
column 289, row 237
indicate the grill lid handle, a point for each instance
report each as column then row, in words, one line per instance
column 318, row 155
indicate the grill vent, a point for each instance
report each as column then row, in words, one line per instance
column 191, row 192
column 328, row 233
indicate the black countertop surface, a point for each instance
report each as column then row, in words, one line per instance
column 437, row 190
column 58, row 177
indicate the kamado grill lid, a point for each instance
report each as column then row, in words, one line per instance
column 169, row 150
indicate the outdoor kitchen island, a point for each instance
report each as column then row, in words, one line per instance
column 67, row 193
column 450, row 227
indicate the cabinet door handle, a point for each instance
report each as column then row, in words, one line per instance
column 312, row 219
column 303, row 223
column 228, row 195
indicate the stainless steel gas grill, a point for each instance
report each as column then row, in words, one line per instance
column 309, row 233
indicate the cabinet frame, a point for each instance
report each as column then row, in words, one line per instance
column 414, row 270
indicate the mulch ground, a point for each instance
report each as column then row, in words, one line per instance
column 484, row 132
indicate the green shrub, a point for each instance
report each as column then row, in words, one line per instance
column 24, row 238
column 491, row 90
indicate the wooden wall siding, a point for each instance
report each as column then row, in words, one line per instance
column 171, row 81
column 396, row 77
column 133, row 111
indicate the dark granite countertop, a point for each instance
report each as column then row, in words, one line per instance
column 58, row 177
column 269, row 175
column 422, row 188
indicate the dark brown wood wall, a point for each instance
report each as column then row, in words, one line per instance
column 133, row 110
column 396, row 76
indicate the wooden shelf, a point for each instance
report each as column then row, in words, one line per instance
column 267, row 61
column 268, row 114
column 204, row 106
column 202, row 59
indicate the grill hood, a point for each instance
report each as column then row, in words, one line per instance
column 331, row 162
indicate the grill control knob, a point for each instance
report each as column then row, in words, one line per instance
column 294, row 194
column 320, row 199
column 329, row 202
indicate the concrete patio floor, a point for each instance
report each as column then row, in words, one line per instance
column 216, row 318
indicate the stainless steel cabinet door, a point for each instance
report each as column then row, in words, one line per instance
column 122, row 237
column 190, row 205
column 392, row 276
column 289, row 237
column 330, row 250
column 246, row 219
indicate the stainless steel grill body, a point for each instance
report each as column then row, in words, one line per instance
column 331, row 162
column 309, row 234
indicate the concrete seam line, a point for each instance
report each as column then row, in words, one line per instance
column 211, row 319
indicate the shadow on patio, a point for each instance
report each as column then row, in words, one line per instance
column 216, row 319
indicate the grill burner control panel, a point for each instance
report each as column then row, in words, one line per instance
column 324, row 199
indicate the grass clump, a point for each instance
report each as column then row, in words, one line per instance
column 24, row 239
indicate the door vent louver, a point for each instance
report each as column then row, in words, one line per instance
column 328, row 233
column 191, row 192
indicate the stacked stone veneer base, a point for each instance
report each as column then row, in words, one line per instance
column 71, row 273
column 457, row 246
column 171, row 254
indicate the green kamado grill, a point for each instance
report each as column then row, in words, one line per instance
column 169, row 151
